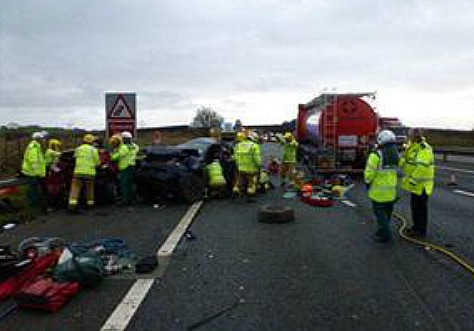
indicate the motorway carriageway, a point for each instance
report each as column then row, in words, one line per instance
column 322, row 272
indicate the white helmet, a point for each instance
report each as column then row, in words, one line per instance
column 37, row 136
column 253, row 136
column 386, row 137
column 126, row 134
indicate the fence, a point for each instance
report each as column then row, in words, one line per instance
column 13, row 143
column 453, row 150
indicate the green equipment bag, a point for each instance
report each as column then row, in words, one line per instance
column 85, row 268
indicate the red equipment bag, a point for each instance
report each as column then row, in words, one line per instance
column 32, row 271
column 45, row 294
column 318, row 202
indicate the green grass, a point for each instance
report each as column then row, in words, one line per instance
column 23, row 215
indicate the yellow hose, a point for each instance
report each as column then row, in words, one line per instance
column 424, row 243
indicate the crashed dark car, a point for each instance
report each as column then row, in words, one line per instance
column 176, row 171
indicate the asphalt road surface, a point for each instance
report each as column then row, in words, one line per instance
column 321, row 272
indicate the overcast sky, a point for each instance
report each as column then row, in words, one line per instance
column 252, row 60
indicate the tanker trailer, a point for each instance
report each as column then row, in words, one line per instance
column 336, row 131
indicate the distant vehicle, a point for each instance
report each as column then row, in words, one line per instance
column 395, row 125
column 176, row 171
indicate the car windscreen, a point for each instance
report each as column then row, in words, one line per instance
column 199, row 145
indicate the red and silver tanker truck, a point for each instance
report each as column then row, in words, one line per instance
column 337, row 131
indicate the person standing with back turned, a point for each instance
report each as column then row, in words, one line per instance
column 381, row 177
column 290, row 147
column 417, row 164
column 87, row 159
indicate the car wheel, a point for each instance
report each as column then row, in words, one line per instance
column 191, row 188
column 275, row 214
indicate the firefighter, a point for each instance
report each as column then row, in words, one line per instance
column 87, row 159
column 34, row 169
column 52, row 153
column 216, row 180
column 264, row 181
column 121, row 155
column 255, row 138
column 134, row 149
column 290, row 146
column 248, row 161
column 417, row 163
column 380, row 176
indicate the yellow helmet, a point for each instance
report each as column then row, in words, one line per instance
column 54, row 143
column 241, row 136
column 89, row 138
column 288, row 136
column 115, row 140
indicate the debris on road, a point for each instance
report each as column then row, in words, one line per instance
column 46, row 272
column 215, row 315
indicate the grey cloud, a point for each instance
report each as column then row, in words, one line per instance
column 57, row 54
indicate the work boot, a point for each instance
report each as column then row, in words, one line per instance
column 414, row 233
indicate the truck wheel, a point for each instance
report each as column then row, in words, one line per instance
column 191, row 188
column 275, row 214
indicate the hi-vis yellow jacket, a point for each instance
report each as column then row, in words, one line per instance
column 382, row 179
column 417, row 164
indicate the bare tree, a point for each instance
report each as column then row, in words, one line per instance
column 206, row 117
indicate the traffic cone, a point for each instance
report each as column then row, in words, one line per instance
column 452, row 181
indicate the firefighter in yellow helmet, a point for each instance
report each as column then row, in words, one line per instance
column 34, row 169
column 216, row 181
column 290, row 147
column 87, row 159
column 52, row 153
column 248, row 162
column 121, row 155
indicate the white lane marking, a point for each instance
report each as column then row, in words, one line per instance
column 349, row 203
column 125, row 310
column 167, row 249
column 457, row 170
column 469, row 194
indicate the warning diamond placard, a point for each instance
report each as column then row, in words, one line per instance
column 120, row 112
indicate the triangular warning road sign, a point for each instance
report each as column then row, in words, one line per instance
column 120, row 109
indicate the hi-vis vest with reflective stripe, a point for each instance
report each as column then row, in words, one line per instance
column 134, row 148
column 216, row 177
column 87, row 159
column 417, row 164
column 51, row 157
column 382, row 180
column 289, row 151
column 34, row 164
column 247, row 157
column 122, row 156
